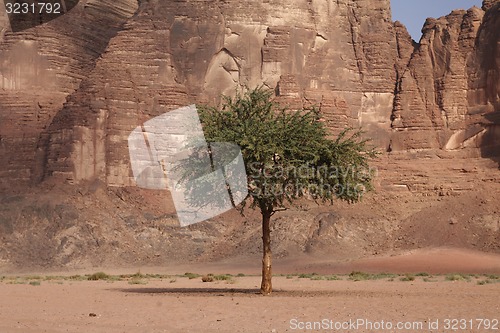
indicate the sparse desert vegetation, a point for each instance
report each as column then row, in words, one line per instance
column 355, row 276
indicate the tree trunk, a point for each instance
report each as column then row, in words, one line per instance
column 266, row 286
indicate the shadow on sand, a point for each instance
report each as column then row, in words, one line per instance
column 211, row 292
column 194, row 291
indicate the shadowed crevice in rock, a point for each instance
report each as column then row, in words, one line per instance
column 490, row 146
column 107, row 19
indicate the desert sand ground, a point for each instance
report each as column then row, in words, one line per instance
column 179, row 304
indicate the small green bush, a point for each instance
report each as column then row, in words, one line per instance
column 307, row 275
column 98, row 276
column 33, row 277
column 191, row 275
column 457, row 277
column 222, row 277
column 138, row 275
column 362, row 276
column 429, row 280
column 52, row 278
column 333, row 278
column 407, row 277
column 76, row 277
column 359, row 276
column 488, row 281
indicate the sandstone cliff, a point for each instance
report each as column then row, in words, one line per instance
column 74, row 88
column 177, row 53
column 39, row 68
column 347, row 57
column 448, row 95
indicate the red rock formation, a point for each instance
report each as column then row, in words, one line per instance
column 450, row 87
column 39, row 68
column 175, row 53
column 347, row 57
column 483, row 96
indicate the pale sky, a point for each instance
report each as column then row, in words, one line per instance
column 413, row 13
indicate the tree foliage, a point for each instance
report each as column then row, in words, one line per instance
column 287, row 155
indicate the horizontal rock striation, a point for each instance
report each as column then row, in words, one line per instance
column 95, row 85
column 40, row 68
column 337, row 55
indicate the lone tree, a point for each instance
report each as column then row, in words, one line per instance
column 287, row 155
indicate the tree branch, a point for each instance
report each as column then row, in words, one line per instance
column 278, row 210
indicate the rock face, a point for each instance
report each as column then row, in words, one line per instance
column 75, row 88
column 448, row 96
column 178, row 53
column 39, row 68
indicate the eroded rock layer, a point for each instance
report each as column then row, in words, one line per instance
column 85, row 81
column 448, row 96
column 39, row 68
